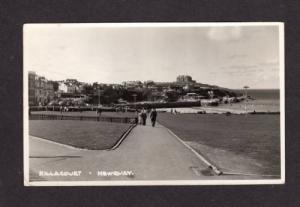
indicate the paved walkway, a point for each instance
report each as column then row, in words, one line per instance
column 146, row 154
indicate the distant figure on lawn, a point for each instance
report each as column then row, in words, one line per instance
column 66, row 109
column 144, row 117
column 153, row 116
column 99, row 111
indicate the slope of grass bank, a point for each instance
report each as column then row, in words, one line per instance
column 256, row 137
column 81, row 134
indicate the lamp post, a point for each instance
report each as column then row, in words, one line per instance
column 134, row 99
column 246, row 98
column 99, row 96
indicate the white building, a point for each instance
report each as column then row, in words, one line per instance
column 62, row 87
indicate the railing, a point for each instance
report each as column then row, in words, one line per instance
column 129, row 120
column 71, row 108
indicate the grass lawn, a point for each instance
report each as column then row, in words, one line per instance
column 88, row 113
column 81, row 134
column 253, row 136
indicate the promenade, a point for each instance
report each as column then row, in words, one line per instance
column 146, row 154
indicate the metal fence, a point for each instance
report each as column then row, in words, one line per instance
column 129, row 120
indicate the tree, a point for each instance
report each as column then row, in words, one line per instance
column 110, row 96
column 87, row 89
column 172, row 96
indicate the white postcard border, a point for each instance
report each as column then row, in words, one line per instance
column 158, row 182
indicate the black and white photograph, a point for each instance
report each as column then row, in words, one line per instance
column 153, row 104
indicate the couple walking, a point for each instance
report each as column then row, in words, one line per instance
column 143, row 117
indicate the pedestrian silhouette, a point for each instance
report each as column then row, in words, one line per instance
column 153, row 116
column 144, row 117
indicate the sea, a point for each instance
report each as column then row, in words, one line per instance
column 262, row 100
column 262, row 94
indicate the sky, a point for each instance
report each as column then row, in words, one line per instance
column 227, row 56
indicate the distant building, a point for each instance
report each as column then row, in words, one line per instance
column 133, row 83
column 70, row 86
column 49, row 91
column 184, row 79
column 73, row 86
column 157, row 96
column 62, row 87
column 40, row 91
column 116, row 86
column 192, row 97
column 31, row 88
column 148, row 83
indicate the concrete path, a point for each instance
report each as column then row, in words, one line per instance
column 146, row 154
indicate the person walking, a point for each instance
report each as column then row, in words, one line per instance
column 140, row 117
column 144, row 116
column 99, row 111
column 153, row 116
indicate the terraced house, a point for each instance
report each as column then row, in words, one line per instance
column 41, row 91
